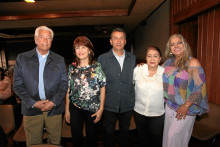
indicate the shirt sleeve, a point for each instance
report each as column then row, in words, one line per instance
column 101, row 76
column 197, row 92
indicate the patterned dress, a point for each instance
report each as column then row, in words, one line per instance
column 85, row 84
column 182, row 86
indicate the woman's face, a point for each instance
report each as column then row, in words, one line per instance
column 82, row 52
column 177, row 47
column 153, row 58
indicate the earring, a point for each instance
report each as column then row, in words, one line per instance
column 171, row 53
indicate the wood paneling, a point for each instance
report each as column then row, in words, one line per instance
column 194, row 7
column 209, row 51
column 190, row 30
column 199, row 22
column 117, row 12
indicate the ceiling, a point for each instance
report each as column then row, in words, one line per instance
column 68, row 18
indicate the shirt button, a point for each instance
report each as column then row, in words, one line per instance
column 119, row 74
column 118, row 91
column 120, row 83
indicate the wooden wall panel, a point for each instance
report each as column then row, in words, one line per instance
column 209, row 51
column 182, row 10
column 190, row 30
column 184, row 15
column 216, row 60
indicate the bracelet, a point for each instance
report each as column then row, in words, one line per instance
column 186, row 105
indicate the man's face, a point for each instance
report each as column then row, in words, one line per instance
column 43, row 41
column 118, row 41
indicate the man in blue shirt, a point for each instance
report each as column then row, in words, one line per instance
column 118, row 66
column 40, row 80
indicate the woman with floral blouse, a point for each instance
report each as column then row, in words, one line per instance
column 86, row 94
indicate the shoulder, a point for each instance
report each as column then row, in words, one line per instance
column 7, row 79
column 160, row 69
column 56, row 56
column 193, row 62
column 167, row 62
column 129, row 54
column 140, row 68
column 104, row 58
column 26, row 54
column 107, row 54
column 97, row 64
column 72, row 65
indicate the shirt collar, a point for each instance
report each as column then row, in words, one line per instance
column 118, row 55
column 42, row 56
column 158, row 73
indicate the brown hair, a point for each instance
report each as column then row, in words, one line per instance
column 83, row 41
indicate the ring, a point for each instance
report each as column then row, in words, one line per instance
column 180, row 114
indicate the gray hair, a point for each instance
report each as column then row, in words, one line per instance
column 43, row 28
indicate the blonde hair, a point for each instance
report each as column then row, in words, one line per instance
column 36, row 34
column 183, row 63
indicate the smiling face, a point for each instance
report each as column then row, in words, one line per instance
column 118, row 41
column 153, row 58
column 43, row 41
column 82, row 52
column 177, row 47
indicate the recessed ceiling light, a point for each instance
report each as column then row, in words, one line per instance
column 30, row 1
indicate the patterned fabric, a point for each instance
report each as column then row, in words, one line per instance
column 85, row 84
column 182, row 86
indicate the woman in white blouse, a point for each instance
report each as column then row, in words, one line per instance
column 149, row 101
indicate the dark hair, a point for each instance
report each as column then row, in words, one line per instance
column 155, row 48
column 3, row 73
column 118, row 30
column 84, row 41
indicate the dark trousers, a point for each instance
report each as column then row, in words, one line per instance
column 149, row 130
column 110, row 119
column 77, row 119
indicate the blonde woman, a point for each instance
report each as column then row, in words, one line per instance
column 184, row 92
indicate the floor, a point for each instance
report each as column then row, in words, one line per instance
column 193, row 142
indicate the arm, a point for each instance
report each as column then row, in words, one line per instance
column 98, row 113
column 5, row 83
column 19, row 87
column 67, row 111
column 194, row 96
column 102, row 82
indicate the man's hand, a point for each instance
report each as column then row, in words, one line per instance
column 47, row 106
column 40, row 104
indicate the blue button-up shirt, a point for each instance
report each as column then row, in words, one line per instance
column 42, row 60
column 120, row 58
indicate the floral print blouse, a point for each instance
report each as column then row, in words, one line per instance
column 85, row 84
column 182, row 86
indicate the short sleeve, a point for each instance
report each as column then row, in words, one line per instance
column 101, row 75
column 70, row 70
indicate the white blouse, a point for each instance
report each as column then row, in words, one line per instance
column 149, row 100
